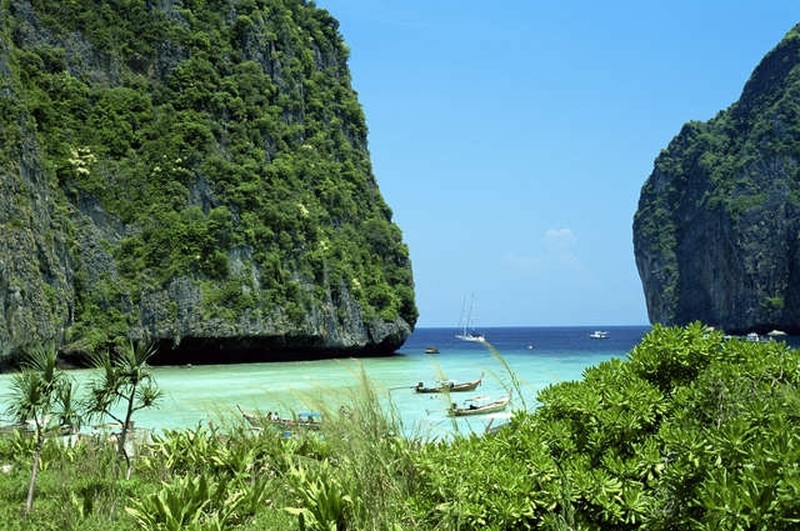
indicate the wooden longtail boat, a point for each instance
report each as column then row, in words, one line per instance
column 261, row 420
column 450, row 386
column 475, row 409
column 503, row 419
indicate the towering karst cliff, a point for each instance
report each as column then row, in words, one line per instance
column 190, row 172
column 717, row 231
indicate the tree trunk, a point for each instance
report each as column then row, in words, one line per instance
column 123, row 436
column 34, row 469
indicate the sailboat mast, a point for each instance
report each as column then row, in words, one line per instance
column 467, row 331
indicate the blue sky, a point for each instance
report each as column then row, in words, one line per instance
column 511, row 140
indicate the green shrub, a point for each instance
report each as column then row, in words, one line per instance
column 691, row 431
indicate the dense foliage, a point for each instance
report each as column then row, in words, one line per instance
column 223, row 143
column 692, row 431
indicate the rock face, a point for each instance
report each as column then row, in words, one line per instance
column 717, row 231
column 193, row 174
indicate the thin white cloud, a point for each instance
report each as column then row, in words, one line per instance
column 523, row 263
column 558, row 252
column 561, row 244
column 562, row 238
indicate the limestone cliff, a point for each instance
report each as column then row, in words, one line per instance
column 193, row 173
column 717, row 231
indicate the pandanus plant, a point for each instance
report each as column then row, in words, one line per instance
column 41, row 396
column 125, row 379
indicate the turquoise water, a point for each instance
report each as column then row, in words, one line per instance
column 536, row 356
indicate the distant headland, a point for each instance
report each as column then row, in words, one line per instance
column 717, row 231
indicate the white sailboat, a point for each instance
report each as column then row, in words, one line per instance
column 468, row 333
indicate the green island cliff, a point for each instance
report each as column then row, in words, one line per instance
column 192, row 173
column 717, row 231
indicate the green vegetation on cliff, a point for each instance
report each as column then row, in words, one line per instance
column 214, row 141
column 715, row 233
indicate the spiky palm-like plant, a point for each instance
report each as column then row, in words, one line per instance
column 41, row 395
column 125, row 378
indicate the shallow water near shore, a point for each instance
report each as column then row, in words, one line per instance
column 537, row 357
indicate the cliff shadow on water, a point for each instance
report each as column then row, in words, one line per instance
column 256, row 350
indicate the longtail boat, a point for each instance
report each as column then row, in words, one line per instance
column 301, row 420
column 479, row 409
column 450, row 386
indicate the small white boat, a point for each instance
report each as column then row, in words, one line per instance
column 599, row 334
column 752, row 336
column 470, row 336
column 467, row 332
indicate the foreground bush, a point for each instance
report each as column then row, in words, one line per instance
column 692, row 431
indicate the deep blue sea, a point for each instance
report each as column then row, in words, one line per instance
column 547, row 341
column 530, row 358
